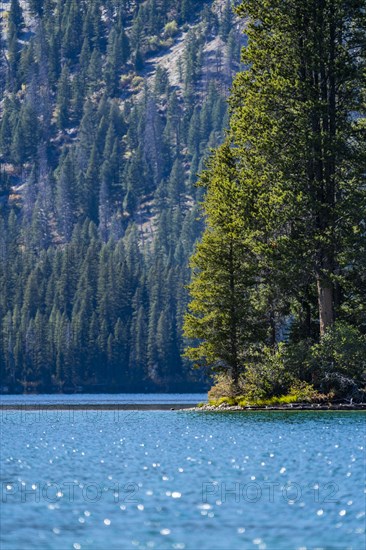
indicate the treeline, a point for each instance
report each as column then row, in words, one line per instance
column 99, row 154
column 91, row 313
column 278, row 296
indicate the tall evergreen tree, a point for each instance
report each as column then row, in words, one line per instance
column 311, row 175
column 296, row 202
column 224, row 313
column 63, row 99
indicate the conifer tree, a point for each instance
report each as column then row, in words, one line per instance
column 226, row 20
column 72, row 37
column 16, row 16
column 63, row 99
column 306, row 113
column 223, row 313
column 286, row 197
column 65, row 196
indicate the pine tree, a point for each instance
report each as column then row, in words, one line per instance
column 91, row 186
column 65, row 196
column 72, row 37
column 63, row 99
column 303, row 118
column 176, row 184
column 13, row 55
column 24, row 143
column 77, row 98
column 226, row 21
column 4, row 182
column 114, row 62
column 7, row 128
column 285, row 197
column 161, row 80
column 16, row 16
column 153, row 146
column 94, row 72
column 139, row 61
column 223, row 312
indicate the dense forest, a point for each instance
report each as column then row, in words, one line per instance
column 108, row 109
column 278, row 295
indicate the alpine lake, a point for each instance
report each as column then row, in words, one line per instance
column 178, row 479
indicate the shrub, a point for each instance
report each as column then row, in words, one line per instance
column 222, row 388
column 126, row 80
column 340, row 361
column 268, row 376
column 167, row 43
column 264, row 377
column 170, row 29
column 333, row 368
column 153, row 43
column 137, row 82
column 299, row 392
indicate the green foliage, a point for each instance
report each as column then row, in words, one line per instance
column 297, row 392
column 4, row 183
column 98, row 210
column 224, row 308
column 340, row 359
column 287, row 198
column 63, row 99
column 226, row 20
column 223, row 387
column 266, row 375
column 171, row 29
column 269, row 376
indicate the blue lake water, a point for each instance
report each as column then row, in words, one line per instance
column 104, row 398
column 182, row 480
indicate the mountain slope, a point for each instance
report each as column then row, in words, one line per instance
column 108, row 109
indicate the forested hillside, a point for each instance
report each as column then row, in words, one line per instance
column 108, row 108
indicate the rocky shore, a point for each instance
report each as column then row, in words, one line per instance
column 224, row 407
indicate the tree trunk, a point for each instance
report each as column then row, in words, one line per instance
column 235, row 378
column 306, row 318
column 325, row 161
column 233, row 324
column 272, row 323
column 326, row 304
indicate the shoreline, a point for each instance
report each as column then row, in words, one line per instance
column 292, row 407
column 178, row 406
column 95, row 406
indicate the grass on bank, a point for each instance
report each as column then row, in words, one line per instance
column 242, row 401
column 298, row 392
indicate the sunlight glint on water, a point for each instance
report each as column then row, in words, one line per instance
column 182, row 480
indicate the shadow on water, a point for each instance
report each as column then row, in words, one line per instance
column 279, row 417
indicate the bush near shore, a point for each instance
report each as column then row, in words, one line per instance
column 330, row 371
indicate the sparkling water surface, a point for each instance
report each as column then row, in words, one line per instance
column 182, row 480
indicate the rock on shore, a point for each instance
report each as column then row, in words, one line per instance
column 290, row 407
